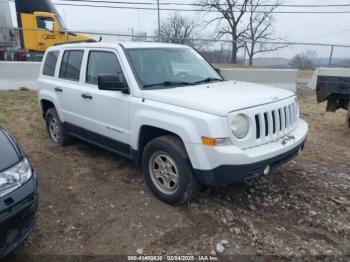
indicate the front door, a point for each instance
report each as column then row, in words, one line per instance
column 45, row 35
column 105, row 114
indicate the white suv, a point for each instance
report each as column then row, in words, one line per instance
column 166, row 108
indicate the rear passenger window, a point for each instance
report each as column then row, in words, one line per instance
column 102, row 63
column 50, row 63
column 71, row 64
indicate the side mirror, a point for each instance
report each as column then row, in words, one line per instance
column 218, row 70
column 112, row 83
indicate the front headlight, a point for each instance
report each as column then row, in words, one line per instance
column 14, row 177
column 240, row 126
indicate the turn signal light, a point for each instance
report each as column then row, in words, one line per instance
column 208, row 141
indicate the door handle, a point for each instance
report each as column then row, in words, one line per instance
column 86, row 96
column 57, row 89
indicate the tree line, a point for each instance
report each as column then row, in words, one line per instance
column 247, row 23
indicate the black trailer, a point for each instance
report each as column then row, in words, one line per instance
column 333, row 86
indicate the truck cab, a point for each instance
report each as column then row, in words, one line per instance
column 39, row 27
column 50, row 30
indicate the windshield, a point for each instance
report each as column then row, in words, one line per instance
column 164, row 67
column 61, row 22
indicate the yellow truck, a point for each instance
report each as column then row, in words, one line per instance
column 29, row 27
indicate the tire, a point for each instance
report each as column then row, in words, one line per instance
column 168, row 171
column 55, row 129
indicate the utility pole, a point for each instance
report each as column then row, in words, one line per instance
column 132, row 33
column 158, row 20
column 331, row 56
column 245, row 54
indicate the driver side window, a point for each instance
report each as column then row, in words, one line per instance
column 45, row 23
column 102, row 63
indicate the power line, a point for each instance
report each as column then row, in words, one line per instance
column 202, row 5
column 193, row 10
column 329, row 34
column 102, row 33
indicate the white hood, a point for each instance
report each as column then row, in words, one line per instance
column 219, row 98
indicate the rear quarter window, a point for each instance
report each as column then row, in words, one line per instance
column 50, row 63
column 71, row 65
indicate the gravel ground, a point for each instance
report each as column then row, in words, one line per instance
column 94, row 203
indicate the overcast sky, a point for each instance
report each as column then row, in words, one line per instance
column 297, row 27
column 294, row 27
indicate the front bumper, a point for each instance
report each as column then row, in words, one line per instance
column 230, row 174
column 228, row 164
column 17, row 215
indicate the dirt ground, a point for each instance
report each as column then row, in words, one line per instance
column 95, row 203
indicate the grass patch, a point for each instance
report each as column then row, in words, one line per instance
column 20, row 114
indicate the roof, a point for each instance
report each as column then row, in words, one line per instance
column 114, row 44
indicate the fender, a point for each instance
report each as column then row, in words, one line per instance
column 52, row 97
column 182, row 127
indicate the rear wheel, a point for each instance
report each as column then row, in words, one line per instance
column 168, row 171
column 55, row 128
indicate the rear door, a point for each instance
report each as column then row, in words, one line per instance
column 105, row 113
column 68, row 88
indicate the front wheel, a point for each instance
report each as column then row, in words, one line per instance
column 168, row 171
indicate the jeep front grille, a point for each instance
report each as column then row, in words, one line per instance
column 275, row 122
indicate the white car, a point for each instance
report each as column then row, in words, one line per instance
column 166, row 108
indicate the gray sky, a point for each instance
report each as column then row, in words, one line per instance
column 294, row 27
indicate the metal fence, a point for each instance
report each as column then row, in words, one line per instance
column 216, row 50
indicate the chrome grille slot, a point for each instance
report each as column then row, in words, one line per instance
column 257, row 126
column 274, row 122
column 290, row 115
column 281, row 119
column 294, row 112
column 266, row 124
column 286, row 117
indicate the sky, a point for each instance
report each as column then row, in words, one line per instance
column 319, row 28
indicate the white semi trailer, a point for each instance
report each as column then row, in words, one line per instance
column 9, row 37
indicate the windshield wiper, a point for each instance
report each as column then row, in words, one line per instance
column 170, row 83
column 209, row 79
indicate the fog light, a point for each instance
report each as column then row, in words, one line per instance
column 267, row 170
column 12, row 236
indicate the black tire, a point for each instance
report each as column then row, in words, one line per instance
column 187, row 186
column 62, row 137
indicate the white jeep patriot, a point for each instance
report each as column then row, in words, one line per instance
column 166, row 108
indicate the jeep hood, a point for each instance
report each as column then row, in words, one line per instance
column 219, row 98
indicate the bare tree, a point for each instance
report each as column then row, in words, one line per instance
column 259, row 28
column 177, row 29
column 304, row 60
column 231, row 12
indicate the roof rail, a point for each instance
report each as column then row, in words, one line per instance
column 76, row 42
